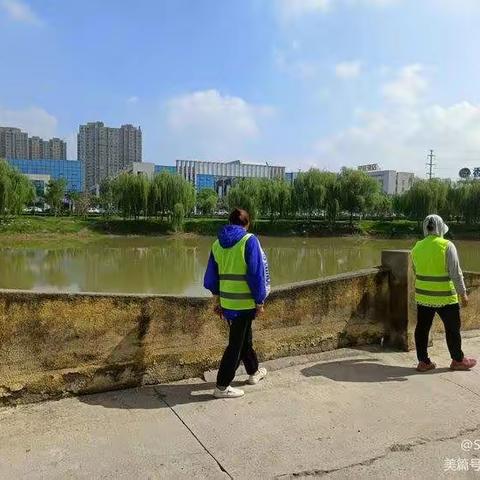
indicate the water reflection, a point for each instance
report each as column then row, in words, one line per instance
column 176, row 266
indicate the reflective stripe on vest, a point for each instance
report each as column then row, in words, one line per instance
column 235, row 293
column 233, row 277
column 433, row 285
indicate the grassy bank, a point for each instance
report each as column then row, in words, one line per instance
column 28, row 227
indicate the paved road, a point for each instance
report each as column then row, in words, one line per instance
column 349, row 414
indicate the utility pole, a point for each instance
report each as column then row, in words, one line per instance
column 430, row 164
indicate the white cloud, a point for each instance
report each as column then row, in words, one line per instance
column 294, row 9
column 409, row 85
column 456, row 7
column 400, row 138
column 20, row 12
column 291, row 9
column 375, row 3
column 399, row 135
column 347, row 70
column 303, row 69
column 33, row 120
column 132, row 100
column 209, row 123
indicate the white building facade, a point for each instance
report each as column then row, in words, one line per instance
column 221, row 175
column 391, row 181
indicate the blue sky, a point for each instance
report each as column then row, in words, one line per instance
column 325, row 83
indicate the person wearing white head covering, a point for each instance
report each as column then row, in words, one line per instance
column 438, row 284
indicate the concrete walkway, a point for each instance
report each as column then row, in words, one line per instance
column 348, row 414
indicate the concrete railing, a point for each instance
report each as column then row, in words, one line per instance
column 56, row 344
column 400, row 323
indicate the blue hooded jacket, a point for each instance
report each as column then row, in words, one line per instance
column 258, row 278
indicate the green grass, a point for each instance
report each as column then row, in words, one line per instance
column 411, row 228
column 39, row 227
column 390, row 228
column 42, row 225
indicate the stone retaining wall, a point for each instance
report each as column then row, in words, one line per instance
column 58, row 344
column 55, row 344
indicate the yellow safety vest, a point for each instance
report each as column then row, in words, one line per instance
column 433, row 286
column 235, row 293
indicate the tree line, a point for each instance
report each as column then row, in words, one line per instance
column 162, row 196
column 314, row 194
column 459, row 201
column 353, row 194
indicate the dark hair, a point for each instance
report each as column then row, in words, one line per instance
column 239, row 217
column 431, row 225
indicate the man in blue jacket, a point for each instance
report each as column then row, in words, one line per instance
column 237, row 275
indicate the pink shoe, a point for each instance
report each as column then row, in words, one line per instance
column 425, row 367
column 465, row 364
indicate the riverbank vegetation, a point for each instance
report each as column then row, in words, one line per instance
column 38, row 228
column 331, row 198
column 316, row 203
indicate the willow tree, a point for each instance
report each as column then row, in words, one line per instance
column 419, row 201
column 274, row 197
column 55, row 194
column 157, row 195
column 178, row 217
column 332, row 198
column 382, row 205
column 137, row 195
column 16, row 190
column 358, row 191
column 5, row 187
column 131, row 192
column 107, row 199
column 470, row 202
column 245, row 194
column 178, row 190
column 309, row 189
column 207, row 201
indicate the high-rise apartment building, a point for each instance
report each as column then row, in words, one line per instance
column 57, row 149
column 106, row 151
column 36, row 148
column 13, row 143
column 53, row 149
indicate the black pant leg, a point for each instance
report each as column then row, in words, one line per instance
column 231, row 356
column 248, row 355
column 450, row 316
column 424, row 324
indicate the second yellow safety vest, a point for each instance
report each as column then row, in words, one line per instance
column 433, row 285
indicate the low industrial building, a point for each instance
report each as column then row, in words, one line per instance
column 221, row 175
column 40, row 171
column 391, row 181
column 150, row 169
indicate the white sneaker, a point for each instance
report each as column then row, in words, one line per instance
column 229, row 392
column 260, row 374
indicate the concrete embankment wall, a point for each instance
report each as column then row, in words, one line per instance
column 55, row 344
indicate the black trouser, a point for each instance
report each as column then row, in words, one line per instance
column 450, row 315
column 240, row 349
